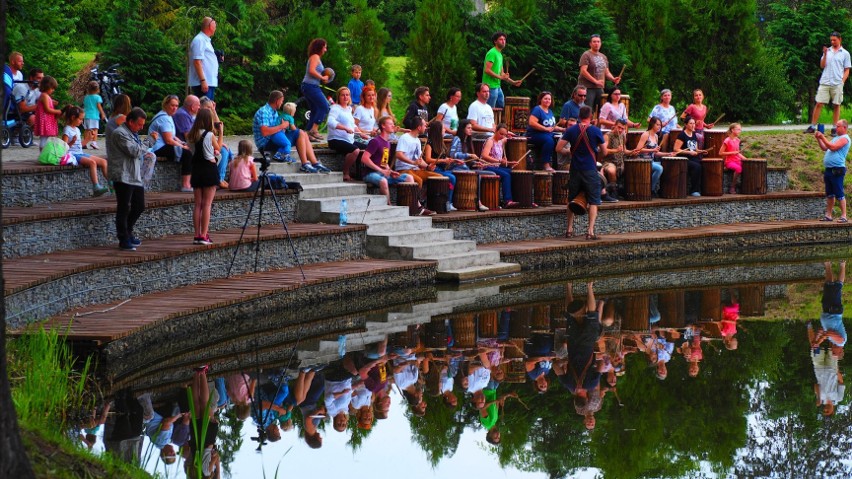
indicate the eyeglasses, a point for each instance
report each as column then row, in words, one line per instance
column 581, row 96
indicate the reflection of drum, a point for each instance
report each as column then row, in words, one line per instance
column 579, row 205
column 435, row 334
column 754, row 176
column 711, row 177
column 636, row 311
column 633, row 139
column 516, row 149
column 464, row 196
column 464, row 331
column 522, row 188
column 488, row 324
column 517, row 113
column 489, row 188
column 711, row 305
column 752, row 300
column 713, row 140
column 408, row 194
column 543, row 188
column 672, row 307
column 541, row 318
column 673, row 181
column 437, row 193
column 560, row 187
column 520, row 323
column 637, row 179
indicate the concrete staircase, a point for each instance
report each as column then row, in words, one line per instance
column 391, row 232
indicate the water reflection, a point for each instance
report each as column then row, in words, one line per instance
column 660, row 382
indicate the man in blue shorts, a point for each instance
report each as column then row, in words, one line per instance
column 834, row 162
column 585, row 140
column 376, row 158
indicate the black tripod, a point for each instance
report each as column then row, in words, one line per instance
column 264, row 186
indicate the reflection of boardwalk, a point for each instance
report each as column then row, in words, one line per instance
column 157, row 307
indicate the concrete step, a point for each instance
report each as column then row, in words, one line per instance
column 328, row 190
column 471, row 273
column 407, row 224
column 409, row 237
column 375, row 213
column 308, row 178
column 430, row 250
column 312, row 210
column 463, row 260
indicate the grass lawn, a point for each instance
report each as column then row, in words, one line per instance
column 80, row 59
column 400, row 100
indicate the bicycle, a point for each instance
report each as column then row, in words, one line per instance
column 110, row 85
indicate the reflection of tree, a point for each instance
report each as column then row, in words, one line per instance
column 357, row 435
column 439, row 431
column 230, row 438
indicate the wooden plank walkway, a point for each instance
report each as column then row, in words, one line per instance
column 111, row 321
column 29, row 271
column 106, row 205
column 579, row 241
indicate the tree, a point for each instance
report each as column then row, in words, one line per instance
column 437, row 49
column 294, row 47
column 366, row 39
column 397, row 17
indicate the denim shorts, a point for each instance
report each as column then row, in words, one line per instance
column 374, row 178
column 834, row 183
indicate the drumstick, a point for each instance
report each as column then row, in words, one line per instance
column 670, row 119
column 622, row 70
column 720, row 117
column 528, row 74
column 516, row 163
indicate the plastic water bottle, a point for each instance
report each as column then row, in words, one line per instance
column 343, row 212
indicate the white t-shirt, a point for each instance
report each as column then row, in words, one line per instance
column 478, row 379
column 23, row 92
column 366, row 118
column 407, row 376
column 483, row 115
column 207, row 146
column 340, row 116
column 201, row 48
column 73, row 132
column 451, row 116
column 336, row 405
column 409, row 146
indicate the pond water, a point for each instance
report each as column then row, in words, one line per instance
column 724, row 371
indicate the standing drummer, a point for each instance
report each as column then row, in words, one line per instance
column 594, row 72
column 585, row 140
column 493, row 72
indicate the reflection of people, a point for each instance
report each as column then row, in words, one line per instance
column 829, row 387
column 577, row 373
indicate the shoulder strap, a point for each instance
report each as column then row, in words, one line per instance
column 582, row 138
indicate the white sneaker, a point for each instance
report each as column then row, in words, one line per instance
column 94, row 145
column 450, row 207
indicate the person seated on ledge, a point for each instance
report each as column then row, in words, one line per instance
column 376, row 158
column 571, row 109
column 419, row 107
column 494, row 157
column 666, row 113
column 614, row 152
column 342, row 131
column 269, row 128
column 614, row 110
column 542, row 126
column 409, row 156
column 687, row 144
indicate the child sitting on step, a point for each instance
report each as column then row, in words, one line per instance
column 243, row 174
column 73, row 117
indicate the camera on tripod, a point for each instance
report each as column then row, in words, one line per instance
column 263, row 161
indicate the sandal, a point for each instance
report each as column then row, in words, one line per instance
column 512, row 204
column 842, row 219
column 826, row 218
column 592, row 237
column 569, row 234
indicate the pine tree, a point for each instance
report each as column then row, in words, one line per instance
column 437, row 50
column 366, row 42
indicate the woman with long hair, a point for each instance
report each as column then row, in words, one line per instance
column 316, row 75
column 205, row 147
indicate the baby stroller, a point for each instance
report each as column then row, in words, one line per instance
column 12, row 123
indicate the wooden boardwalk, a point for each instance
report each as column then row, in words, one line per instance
column 29, row 271
column 111, row 321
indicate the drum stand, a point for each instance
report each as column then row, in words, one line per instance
column 264, row 186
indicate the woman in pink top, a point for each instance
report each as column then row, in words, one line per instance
column 730, row 151
column 698, row 110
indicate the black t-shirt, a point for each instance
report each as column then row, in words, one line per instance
column 689, row 142
column 414, row 110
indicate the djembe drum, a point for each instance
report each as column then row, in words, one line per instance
column 516, row 150
column 522, row 188
column 637, row 179
column 711, row 176
column 754, row 176
column 543, row 182
column 673, row 181
column 464, row 196
column 437, row 193
column 560, row 187
column 489, row 187
column 408, row 194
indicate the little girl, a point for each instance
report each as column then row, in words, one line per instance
column 730, row 151
column 46, row 114
column 243, row 174
column 94, row 114
column 73, row 117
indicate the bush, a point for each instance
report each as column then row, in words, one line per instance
column 298, row 34
column 367, row 37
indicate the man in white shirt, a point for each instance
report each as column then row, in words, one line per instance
column 480, row 114
column 835, row 64
column 26, row 95
column 204, row 65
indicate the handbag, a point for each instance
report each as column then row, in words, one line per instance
column 54, row 151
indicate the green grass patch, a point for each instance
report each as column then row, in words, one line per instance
column 401, row 98
column 80, row 59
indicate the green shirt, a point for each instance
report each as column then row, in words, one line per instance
column 496, row 58
column 491, row 419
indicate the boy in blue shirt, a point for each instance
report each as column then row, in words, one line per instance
column 355, row 85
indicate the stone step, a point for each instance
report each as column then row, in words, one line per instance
column 306, row 179
column 430, row 250
column 384, row 240
column 375, row 213
column 463, row 260
column 402, row 224
column 330, row 190
column 478, row 272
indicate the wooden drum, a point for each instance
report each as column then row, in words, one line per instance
column 636, row 313
column 713, row 140
column 560, row 187
column 637, row 179
column 516, row 150
column 408, row 194
column 633, row 139
column 711, row 176
column 489, row 186
column 580, row 204
column 488, row 321
column 437, row 193
column 752, row 300
column 673, row 181
column 754, row 176
column 672, row 307
column 478, row 143
column 498, row 116
column 517, row 113
column 522, row 188
column 711, row 305
column 543, row 181
column 464, row 331
column 464, row 197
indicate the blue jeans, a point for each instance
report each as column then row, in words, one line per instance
column 496, row 99
column 223, row 162
column 319, row 104
column 543, row 140
column 452, row 178
column 211, row 92
column 505, row 175
column 375, row 178
column 656, row 173
column 278, row 142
